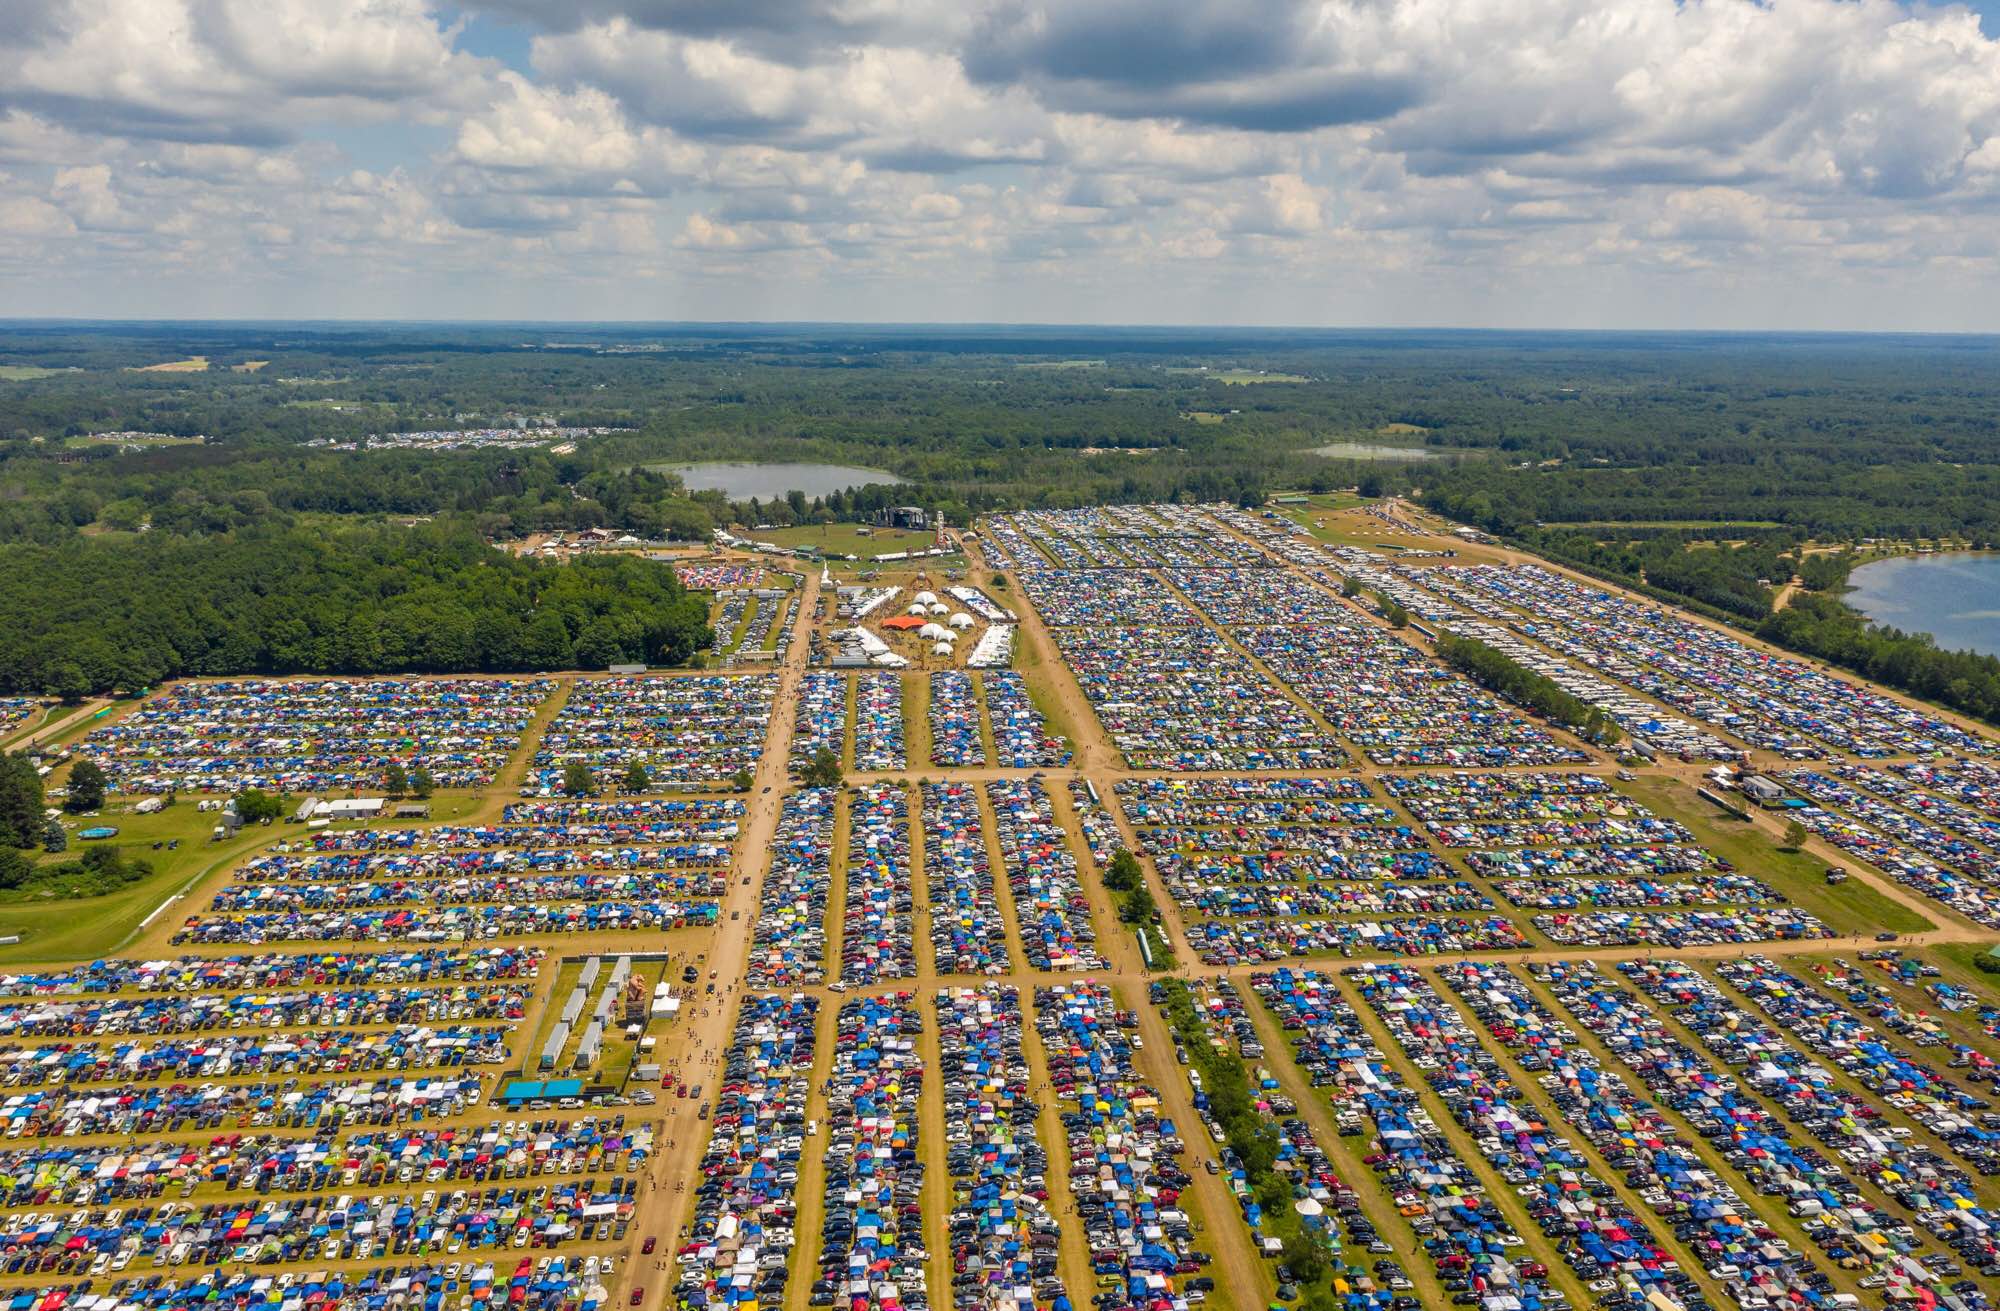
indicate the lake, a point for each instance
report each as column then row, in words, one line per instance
column 1364, row 451
column 742, row 480
column 1955, row 597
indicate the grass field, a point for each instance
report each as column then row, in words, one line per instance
column 1204, row 416
column 29, row 372
column 150, row 440
column 192, row 364
column 845, row 539
column 1342, row 527
column 1850, row 907
column 94, row 927
column 248, row 366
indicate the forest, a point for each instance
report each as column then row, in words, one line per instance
column 90, row 616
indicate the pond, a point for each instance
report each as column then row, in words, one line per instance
column 1955, row 597
column 741, row 480
column 1365, row 451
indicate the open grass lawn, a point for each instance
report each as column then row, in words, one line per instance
column 1204, row 416
column 29, row 372
column 148, row 441
column 71, row 929
column 1342, row 527
column 1402, row 430
column 844, row 538
column 94, row 927
column 1847, row 908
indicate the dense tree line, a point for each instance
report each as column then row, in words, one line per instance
column 1821, row 626
column 1501, row 674
column 91, row 616
column 1232, row 1102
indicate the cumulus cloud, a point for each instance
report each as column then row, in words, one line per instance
column 249, row 71
column 1116, row 150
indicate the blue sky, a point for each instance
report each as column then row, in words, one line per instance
column 1564, row 163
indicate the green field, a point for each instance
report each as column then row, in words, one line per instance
column 94, row 927
column 29, row 372
column 149, row 441
column 845, row 539
column 1850, row 907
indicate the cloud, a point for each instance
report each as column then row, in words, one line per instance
column 794, row 30
column 1125, row 157
column 1261, row 65
column 244, row 71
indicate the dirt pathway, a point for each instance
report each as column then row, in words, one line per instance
column 702, row 1041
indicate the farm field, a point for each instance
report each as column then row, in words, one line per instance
column 1227, row 948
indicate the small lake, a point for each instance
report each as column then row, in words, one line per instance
column 1364, row 451
column 742, row 480
column 1955, row 597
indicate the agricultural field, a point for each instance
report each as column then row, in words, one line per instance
column 1229, row 948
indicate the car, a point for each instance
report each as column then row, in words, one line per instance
column 650, row 1243
column 638, row 1296
column 1885, row 937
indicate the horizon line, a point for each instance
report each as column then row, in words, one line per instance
column 913, row 325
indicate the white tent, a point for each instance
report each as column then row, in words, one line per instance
column 925, row 598
column 939, row 608
column 942, row 648
column 960, row 620
column 917, row 608
column 933, row 632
